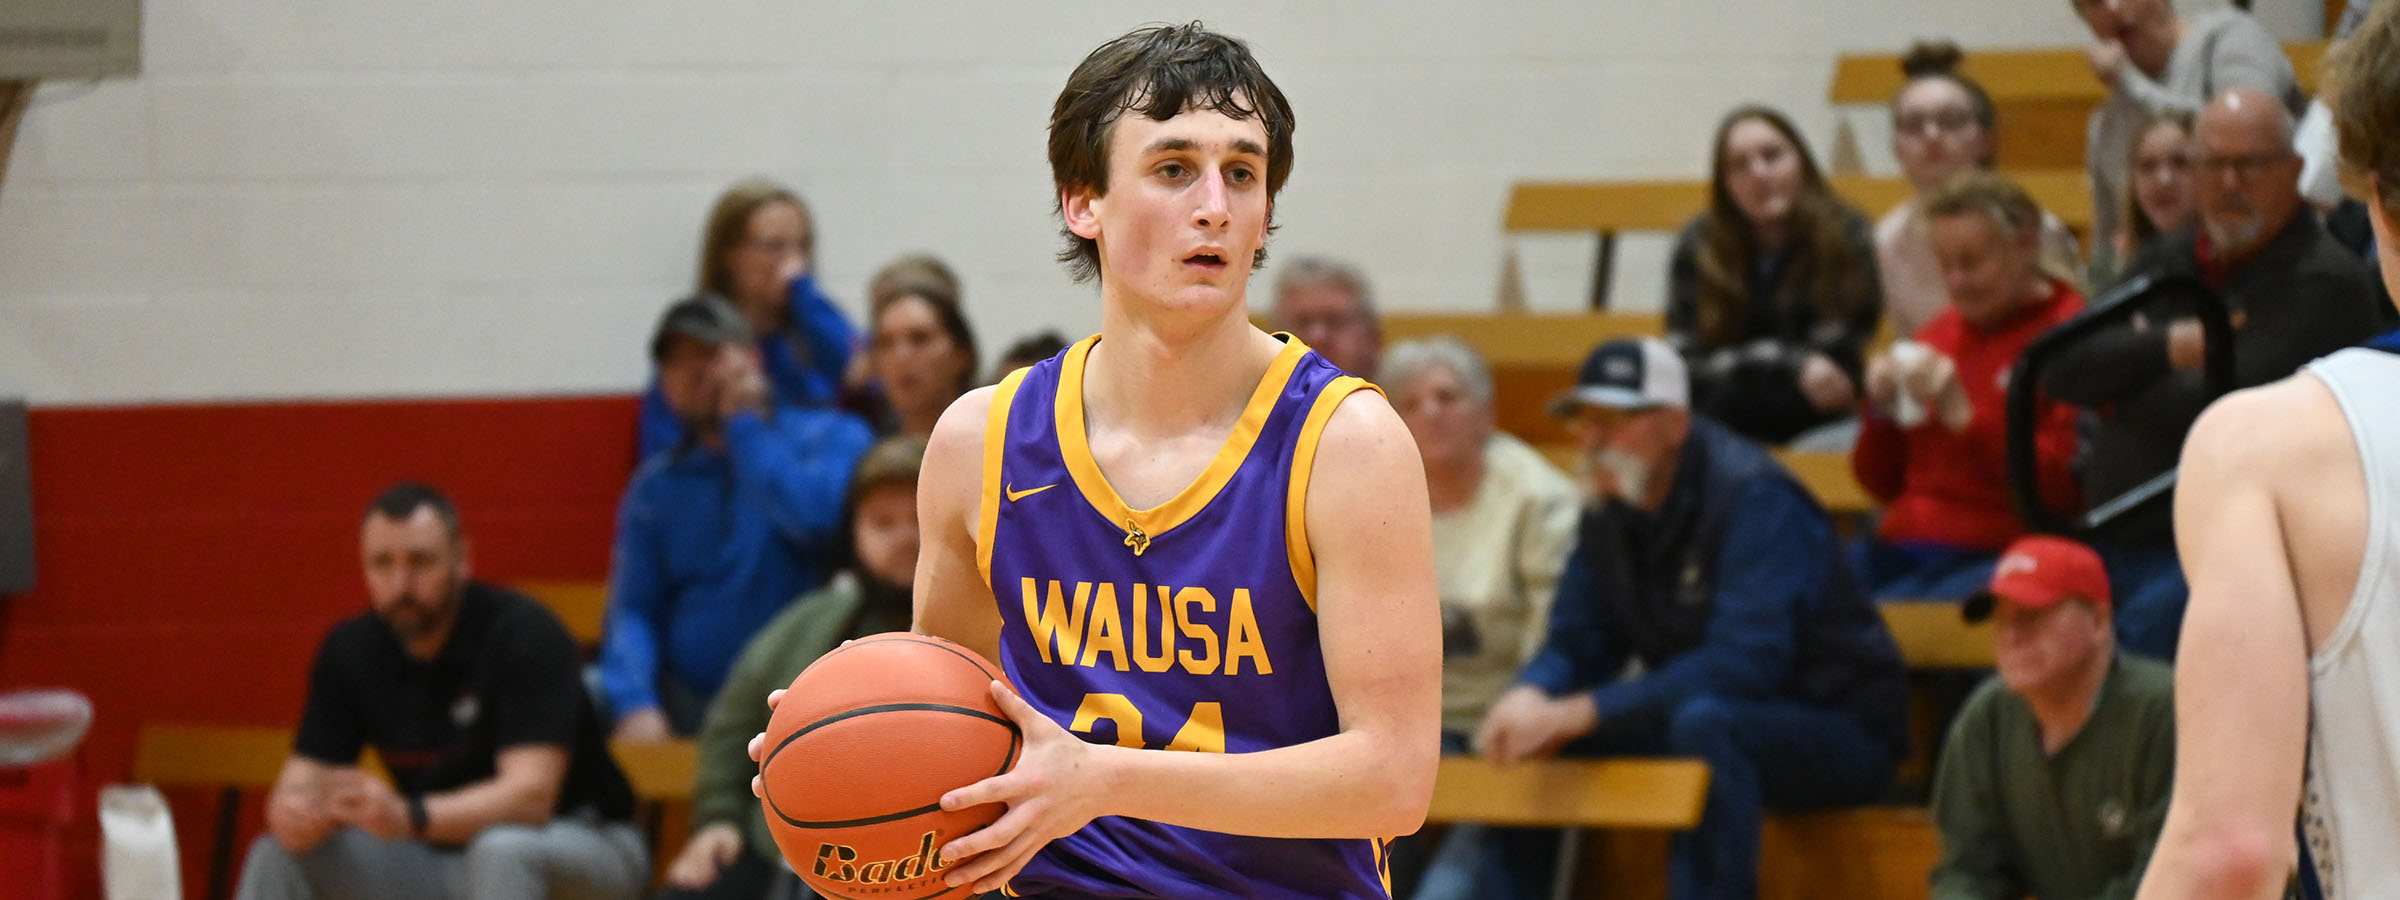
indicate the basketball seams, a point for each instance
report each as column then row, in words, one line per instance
column 1016, row 740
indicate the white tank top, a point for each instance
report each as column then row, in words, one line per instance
column 2350, row 815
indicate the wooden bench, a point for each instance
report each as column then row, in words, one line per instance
column 581, row 606
column 228, row 760
column 1607, row 208
column 2043, row 96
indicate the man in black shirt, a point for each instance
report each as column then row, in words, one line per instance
column 500, row 783
column 2295, row 295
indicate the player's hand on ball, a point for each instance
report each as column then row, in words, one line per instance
column 1051, row 792
column 758, row 745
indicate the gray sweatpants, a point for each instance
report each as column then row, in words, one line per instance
column 567, row 859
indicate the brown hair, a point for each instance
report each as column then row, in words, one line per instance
column 729, row 224
column 2009, row 207
column 2139, row 227
column 1160, row 72
column 926, row 279
column 1939, row 59
column 1836, row 275
column 2363, row 76
column 914, row 273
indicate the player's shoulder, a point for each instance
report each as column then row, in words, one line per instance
column 1364, row 429
column 2286, row 425
column 957, row 440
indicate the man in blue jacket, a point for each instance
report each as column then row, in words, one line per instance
column 718, row 533
column 1705, row 612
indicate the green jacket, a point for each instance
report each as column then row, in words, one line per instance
column 809, row 628
column 2078, row 825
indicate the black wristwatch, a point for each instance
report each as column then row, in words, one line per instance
column 416, row 816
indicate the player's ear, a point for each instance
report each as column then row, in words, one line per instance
column 1081, row 208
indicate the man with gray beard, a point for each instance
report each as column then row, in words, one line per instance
column 2295, row 295
column 1704, row 560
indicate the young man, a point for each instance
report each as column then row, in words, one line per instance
column 2288, row 502
column 1139, row 532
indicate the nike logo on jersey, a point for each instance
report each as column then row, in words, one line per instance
column 1016, row 495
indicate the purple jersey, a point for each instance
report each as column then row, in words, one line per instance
column 1188, row 626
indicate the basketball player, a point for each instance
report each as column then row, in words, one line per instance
column 1185, row 534
column 2287, row 693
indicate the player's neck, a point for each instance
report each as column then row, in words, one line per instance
column 1157, row 375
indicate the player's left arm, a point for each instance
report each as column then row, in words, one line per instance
column 2241, row 679
column 1369, row 529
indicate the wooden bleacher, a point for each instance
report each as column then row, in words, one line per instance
column 580, row 605
column 2043, row 97
column 1608, row 208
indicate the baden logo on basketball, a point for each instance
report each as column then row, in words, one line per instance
column 839, row 863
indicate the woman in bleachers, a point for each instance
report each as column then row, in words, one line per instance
column 730, row 855
column 1932, row 447
column 1943, row 124
column 2162, row 201
column 1772, row 293
column 758, row 251
column 1503, row 522
column 921, row 352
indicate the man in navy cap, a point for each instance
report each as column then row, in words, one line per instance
column 1706, row 563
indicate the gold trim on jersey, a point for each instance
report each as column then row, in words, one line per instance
column 995, row 448
column 1304, row 457
column 1145, row 525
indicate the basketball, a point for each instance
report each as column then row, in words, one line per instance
column 861, row 750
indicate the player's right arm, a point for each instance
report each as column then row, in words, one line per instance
column 296, row 813
column 951, row 599
column 2241, row 677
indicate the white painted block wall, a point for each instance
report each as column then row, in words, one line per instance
column 334, row 198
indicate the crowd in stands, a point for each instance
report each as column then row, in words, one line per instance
column 1679, row 592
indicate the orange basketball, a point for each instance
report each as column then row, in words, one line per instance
column 860, row 752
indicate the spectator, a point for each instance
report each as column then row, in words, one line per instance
column 1710, row 566
column 2162, row 184
column 1943, row 125
column 472, row 696
column 2296, row 295
column 730, row 855
column 921, row 352
column 1503, row 520
column 2054, row 780
column 1933, row 448
column 759, row 252
column 908, row 273
column 2153, row 61
column 1030, row 349
column 717, row 535
column 1327, row 305
column 1772, row 293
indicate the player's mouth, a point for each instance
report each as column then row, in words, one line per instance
column 1209, row 261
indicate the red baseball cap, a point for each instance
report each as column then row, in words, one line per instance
column 2039, row 571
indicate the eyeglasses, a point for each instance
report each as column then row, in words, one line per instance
column 2243, row 167
column 1941, row 121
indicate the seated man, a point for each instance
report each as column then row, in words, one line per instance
column 1933, row 444
column 501, row 786
column 2055, row 779
column 1707, row 563
column 717, row 535
column 2295, row 295
column 1327, row 306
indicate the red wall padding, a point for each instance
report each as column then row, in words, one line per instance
column 189, row 557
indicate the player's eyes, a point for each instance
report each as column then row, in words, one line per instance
column 1241, row 175
column 1171, row 171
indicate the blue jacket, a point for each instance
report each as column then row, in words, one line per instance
column 1736, row 589
column 803, row 364
column 710, row 545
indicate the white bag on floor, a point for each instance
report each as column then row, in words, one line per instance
column 137, row 834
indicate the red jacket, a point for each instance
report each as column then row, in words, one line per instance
column 1952, row 489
